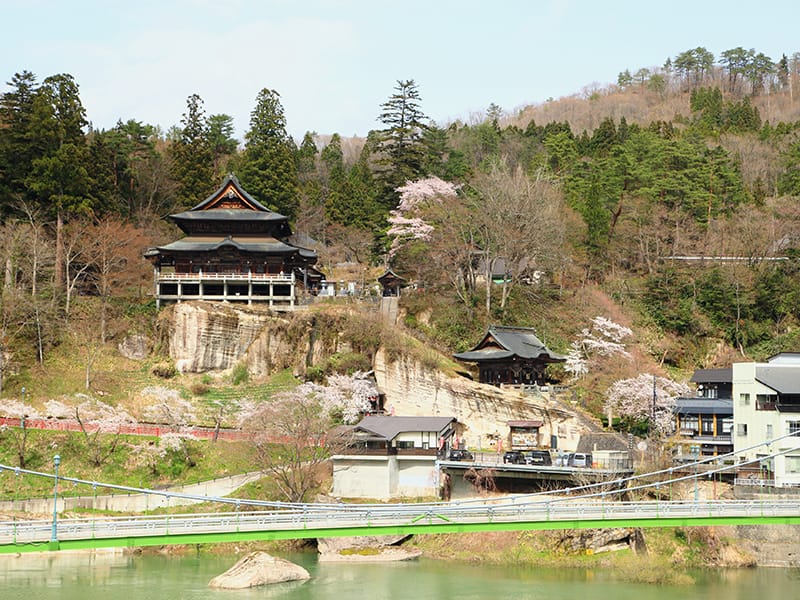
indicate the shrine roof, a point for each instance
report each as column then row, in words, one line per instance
column 244, row 243
column 502, row 342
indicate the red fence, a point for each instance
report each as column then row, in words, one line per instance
column 132, row 429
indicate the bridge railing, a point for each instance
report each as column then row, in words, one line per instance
column 327, row 517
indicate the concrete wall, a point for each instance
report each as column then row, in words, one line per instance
column 763, row 424
column 362, row 477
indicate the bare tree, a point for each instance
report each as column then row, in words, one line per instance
column 100, row 424
column 293, row 435
column 115, row 262
column 521, row 225
column 19, row 435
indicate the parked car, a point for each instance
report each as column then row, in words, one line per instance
column 578, row 459
column 460, row 454
column 514, row 457
column 538, row 457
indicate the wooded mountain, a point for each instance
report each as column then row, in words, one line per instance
column 672, row 193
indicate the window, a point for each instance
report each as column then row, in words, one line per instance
column 766, row 401
column 792, row 464
column 793, row 427
column 727, row 425
column 405, row 444
column 741, row 429
column 689, row 423
column 744, row 399
column 769, row 431
column 708, row 425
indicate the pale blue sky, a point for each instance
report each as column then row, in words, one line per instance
column 335, row 61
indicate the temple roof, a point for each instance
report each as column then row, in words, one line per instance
column 211, row 243
column 231, row 192
column 501, row 343
column 231, row 204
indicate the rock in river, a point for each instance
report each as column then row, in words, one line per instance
column 258, row 568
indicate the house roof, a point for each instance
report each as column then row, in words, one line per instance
column 590, row 442
column 502, row 342
column 784, row 380
column 390, row 427
column 703, row 406
column 724, row 375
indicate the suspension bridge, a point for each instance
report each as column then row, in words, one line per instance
column 609, row 504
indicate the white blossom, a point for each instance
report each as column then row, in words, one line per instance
column 646, row 397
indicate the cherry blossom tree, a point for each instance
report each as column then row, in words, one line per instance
column 407, row 223
column 19, row 435
column 100, row 424
column 603, row 338
column 165, row 450
column 645, row 398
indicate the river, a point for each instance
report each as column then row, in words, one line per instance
column 64, row 576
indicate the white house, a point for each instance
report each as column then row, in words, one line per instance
column 393, row 457
column 766, row 406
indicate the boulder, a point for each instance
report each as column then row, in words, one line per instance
column 258, row 568
column 369, row 548
column 134, row 347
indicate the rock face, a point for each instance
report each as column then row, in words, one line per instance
column 413, row 390
column 204, row 336
column 258, row 568
column 365, row 549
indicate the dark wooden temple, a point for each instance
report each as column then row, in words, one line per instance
column 511, row 355
column 391, row 283
column 235, row 250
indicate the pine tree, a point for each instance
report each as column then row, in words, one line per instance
column 401, row 140
column 268, row 169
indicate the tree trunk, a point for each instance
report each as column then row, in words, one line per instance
column 58, row 272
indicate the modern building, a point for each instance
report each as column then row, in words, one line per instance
column 393, row 457
column 511, row 355
column 704, row 421
column 766, row 414
column 235, row 250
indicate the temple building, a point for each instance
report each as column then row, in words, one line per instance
column 511, row 355
column 235, row 250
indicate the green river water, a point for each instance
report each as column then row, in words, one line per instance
column 86, row 577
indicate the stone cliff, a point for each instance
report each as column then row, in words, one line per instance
column 204, row 336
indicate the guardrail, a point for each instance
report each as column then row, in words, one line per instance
column 328, row 518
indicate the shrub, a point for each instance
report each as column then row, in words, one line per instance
column 165, row 370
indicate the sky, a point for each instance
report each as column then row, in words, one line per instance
column 334, row 62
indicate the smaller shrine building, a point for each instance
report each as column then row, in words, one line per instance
column 511, row 355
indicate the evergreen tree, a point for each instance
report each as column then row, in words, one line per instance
column 401, row 139
column 268, row 169
column 17, row 148
column 192, row 157
column 59, row 177
column 221, row 141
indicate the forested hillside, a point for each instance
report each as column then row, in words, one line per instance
column 668, row 200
